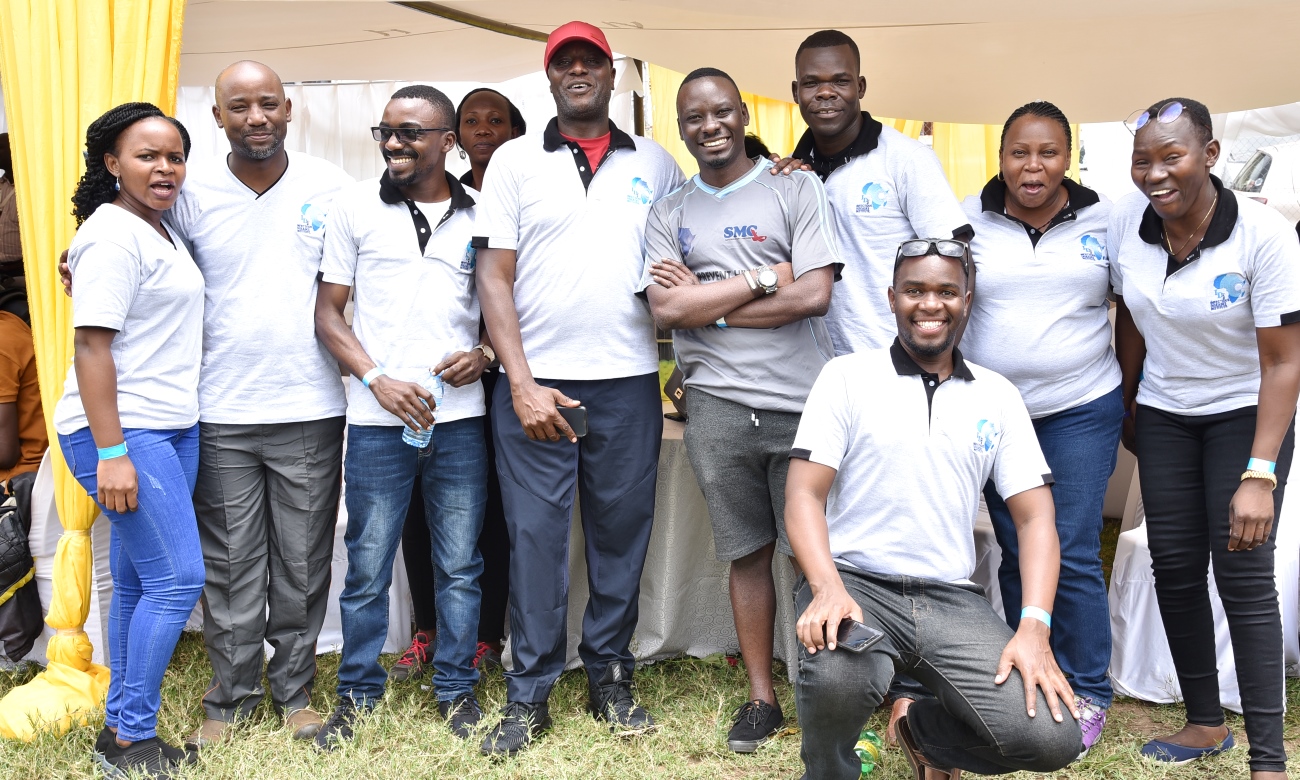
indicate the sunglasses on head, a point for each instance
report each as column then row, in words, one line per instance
column 1166, row 114
column 944, row 247
column 408, row 135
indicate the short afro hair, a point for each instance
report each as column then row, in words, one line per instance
column 434, row 97
column 829, row 39
column 1196, row 113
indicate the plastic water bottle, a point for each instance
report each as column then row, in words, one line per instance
column 421, row 438
column 869, row 749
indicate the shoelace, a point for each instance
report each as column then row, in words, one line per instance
column 515, row 722
column 467, row 701
column 620, row 699
column 754, row 712
column 483, row 649
column 416, row 653
column 341, row 715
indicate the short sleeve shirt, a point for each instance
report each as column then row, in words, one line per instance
column 260, row 257
column 132, row 280
column 1199, row 319
column 18, row 386
column 910, row 465
column 757, row 220
column 578, row 236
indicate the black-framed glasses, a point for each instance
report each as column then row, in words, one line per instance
column 407, row 135
column 944, row 247
column 1166, row 114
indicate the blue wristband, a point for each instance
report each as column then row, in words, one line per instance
column 721, row 322
column 1040, row 615
column 370, row 376
column 116, row 451
column 1259, row 464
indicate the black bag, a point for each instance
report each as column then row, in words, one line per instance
column 21, row 619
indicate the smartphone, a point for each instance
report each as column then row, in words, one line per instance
column 856, row 637
column 576, row 417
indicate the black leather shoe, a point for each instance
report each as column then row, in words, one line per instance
column 521, row 723
column 612, row 701
column 756, row 722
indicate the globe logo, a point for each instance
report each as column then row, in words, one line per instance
column 874, row 198
column 986, row 435
column 1093, row 251
column 1228, row 289
column 312, row 219
column 642, row 192
column 471, row 257
column 685, row 240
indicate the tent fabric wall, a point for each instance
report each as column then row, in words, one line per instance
column 65, row 62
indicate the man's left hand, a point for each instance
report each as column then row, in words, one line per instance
column 1031, row 652
column 462, row 368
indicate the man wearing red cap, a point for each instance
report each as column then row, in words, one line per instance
column 559, row 232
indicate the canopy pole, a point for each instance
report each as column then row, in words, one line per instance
column 473, row 20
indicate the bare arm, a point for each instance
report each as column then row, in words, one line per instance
column 679, row 301
column 806, row 488
column 118, row 488
column 1131, row 351
column 10, row 447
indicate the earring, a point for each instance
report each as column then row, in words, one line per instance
column 1000, row 176
column 462, row 154
column 117, row 183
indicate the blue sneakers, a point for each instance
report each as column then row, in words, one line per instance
column 1169, row 753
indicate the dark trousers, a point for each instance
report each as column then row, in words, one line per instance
column 613, row 469
column 1190, row 468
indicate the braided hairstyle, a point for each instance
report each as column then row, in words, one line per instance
column 97, row 185
column 516, row 117
column 1039, row 108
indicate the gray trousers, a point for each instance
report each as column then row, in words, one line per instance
column 950, row 639
column 267, row 502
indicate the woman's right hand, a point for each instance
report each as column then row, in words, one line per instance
column 1128, row 433
column 118, row 488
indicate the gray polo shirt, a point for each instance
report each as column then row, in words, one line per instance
column 911, row 455
column 757, row 220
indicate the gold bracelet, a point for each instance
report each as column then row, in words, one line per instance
column 1252, row 474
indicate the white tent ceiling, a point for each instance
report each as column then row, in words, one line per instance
column 941, row 60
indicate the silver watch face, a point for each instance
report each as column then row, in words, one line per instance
column 767, row 278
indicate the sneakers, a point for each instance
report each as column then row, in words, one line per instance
column 149, row 757
column 462, row 714
column 1092, row 718
column 487, row 655
column 411, row 665
column 611, row 700
column 520, row 724
column 756, row 722
column 338, row 727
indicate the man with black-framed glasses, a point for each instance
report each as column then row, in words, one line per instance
column 416, row 351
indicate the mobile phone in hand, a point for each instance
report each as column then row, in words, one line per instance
column 856, row 637
column 576, row 417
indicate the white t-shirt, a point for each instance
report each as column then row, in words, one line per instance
column 910, row 471
column 411, row 308
column 260, row 256
column 1039, row 315
column 132, row 280
column 1199, row 321
column 888, row 192
column 579, row 250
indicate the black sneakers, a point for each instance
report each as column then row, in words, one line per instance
column 520, row 724
column 338, row 726
column 611, row 701
column 149, row 757
column 462, row 714
column 756, row 722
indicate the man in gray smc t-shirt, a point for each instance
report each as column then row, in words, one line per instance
column 739, row 264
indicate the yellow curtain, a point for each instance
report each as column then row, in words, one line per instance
column 63, row 63
column 969, row 154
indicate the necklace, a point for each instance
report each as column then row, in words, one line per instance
column 1039, row 228
column 1170, row 244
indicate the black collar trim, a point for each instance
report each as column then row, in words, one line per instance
column 460, row 199
column 1224, row 219
column 868, row 139
column 552, row 139
column 906, row 366
column 994, row 196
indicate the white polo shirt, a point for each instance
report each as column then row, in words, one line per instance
column 885, row 188
column 912, row 457
column 579, row 239
column 413, row 305
column 260, row 257
column 132, row 280
column 1199, row 319
column 1039, row 315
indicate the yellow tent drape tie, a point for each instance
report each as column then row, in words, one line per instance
column 76, row 532
column 26, row 578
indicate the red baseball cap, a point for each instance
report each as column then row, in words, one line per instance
column 575, row 31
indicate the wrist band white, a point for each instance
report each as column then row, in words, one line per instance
column 371, row 374
column 722, row 322
column 1259, row 464
column 1041, row 615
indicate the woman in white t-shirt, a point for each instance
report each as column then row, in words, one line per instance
column 1208, row 339
column 1039, row 318
column 128, row 419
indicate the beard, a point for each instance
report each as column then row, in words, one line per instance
column 253, row 153
column 927, row 350
column 597, row 109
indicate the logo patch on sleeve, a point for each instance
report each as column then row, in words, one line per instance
column 986, row 436
column 685, row 241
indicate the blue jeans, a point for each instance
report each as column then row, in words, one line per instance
column 157, row 567
column 1080, row 445
column 379, row 471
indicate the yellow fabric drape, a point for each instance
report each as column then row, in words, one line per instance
column 969, row 154
column 63, row 63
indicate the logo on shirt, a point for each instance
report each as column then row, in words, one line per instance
column 471, row 257
column 1228, row 289
column 1092, row 249
column 312, row 219
column 685, row 240
column 642, row 192
column 986, row 436
column 874, row 198
column 742, row 231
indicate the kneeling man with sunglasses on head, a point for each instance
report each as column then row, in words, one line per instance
column 892, row 451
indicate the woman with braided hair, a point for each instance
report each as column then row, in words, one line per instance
column 1039, row 318
column 128, row 419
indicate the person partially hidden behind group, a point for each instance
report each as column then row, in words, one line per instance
column 128, row 418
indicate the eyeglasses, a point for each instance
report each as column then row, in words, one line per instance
column 407, row 135
column 944, row 247
column 1167, row 113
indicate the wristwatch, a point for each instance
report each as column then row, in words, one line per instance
column 767, row 279
column 487, row 352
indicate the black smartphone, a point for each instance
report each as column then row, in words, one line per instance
column 856, row 637
column 576, row 417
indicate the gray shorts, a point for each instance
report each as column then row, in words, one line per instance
column 741, row 468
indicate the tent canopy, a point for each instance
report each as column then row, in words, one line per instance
column 940, row 60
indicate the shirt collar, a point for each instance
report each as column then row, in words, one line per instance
column 1152, row 229
column 552, row 140
column 868, row 139
column 460, row 199
column 906, row 366
column 994, row 196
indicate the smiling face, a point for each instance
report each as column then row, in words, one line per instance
column 252, row 109
column 929, row 301
column 1033, row 160
column 828, row 88
column 414, row 162
column 582, row 81
column 149, row 161
column 484, row 125
column 712, row 121
column 1171, row 165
